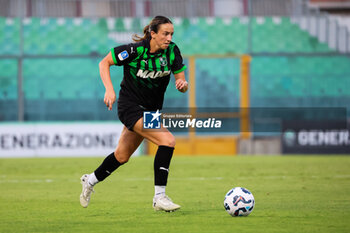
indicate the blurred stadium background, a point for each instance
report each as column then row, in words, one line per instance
column 273, row 60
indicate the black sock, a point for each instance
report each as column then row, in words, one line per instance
column 109, row 165
column 161, row 165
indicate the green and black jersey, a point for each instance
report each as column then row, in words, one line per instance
column 146, row 75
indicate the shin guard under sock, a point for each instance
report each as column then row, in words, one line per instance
column 161, row 165
column 109, row 165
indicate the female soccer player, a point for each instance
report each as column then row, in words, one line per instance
column 147, row 66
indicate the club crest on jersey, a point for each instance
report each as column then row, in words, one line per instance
column 152, row 74
column 162, row 61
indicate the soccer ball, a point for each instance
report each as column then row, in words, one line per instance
column 239, row 202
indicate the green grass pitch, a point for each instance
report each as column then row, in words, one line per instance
column 292, row 194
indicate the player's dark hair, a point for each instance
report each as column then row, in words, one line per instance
column 152, row 26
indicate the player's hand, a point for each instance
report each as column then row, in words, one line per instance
column 109, row 99
column 181, row 85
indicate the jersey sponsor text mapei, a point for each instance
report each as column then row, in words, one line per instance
column 152, row 74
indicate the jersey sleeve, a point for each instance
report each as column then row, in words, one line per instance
column 177, row 65
column 124, row 54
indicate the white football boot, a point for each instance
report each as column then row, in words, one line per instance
column 86, row 192
column 164, row 203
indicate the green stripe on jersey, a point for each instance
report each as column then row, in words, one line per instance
column 140, row 49
column 144, row 60
column 133, row 75
column 113, row 56
column 158, row 66
column 134, row 62
column 172, row 54
column 150, row 64
column 180, row 70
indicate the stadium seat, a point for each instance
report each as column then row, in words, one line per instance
column 8, row 79
column 275, row 80
column 9, row 36
column 216, row 35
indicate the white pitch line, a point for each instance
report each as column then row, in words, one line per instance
column 126, row 179
column 188, row 178
column 4, row 180
column 26, row 181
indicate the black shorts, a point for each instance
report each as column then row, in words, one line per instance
column 129, row 113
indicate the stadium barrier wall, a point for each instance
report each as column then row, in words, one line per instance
column 260, row 146
column 315, row 137
column 59, row 139
column 218, row 145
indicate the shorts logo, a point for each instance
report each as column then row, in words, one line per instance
column 151, row 120
column 123, row 55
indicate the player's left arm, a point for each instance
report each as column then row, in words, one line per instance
column 180, row 82
column 178, row 69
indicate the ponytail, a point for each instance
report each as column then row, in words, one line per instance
column 152, row 26
column 146, row 34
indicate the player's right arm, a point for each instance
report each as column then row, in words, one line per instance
column 104, row 66
column 118, row 56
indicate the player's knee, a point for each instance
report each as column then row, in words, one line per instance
column 121, row 157
column 123, row 160
column 169, row 141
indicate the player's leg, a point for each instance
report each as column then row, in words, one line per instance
column 166, row 143
column 128, row 143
